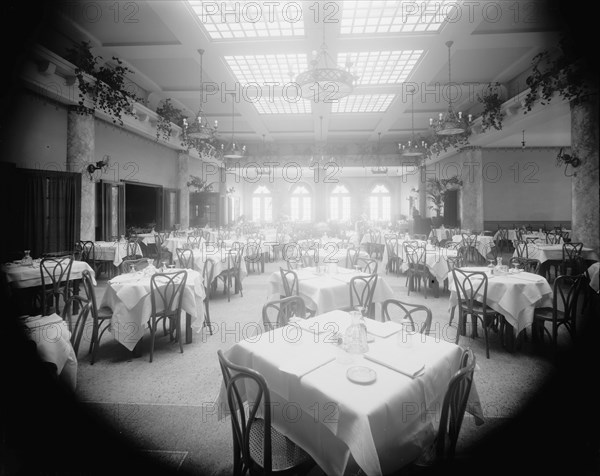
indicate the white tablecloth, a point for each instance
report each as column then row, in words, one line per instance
column 440, row 234
column 128, row 295
column 327, row 292
column 28, row 276
column 217, row 255
column 435, row 260
column 382, row 426
column 543, row 252
column 515, row 296
column 593, row 271
column 53, row 339
column 484, row 243
column 111, row 251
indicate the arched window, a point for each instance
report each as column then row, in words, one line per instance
column 262, row 205
column 301, row 204
column 380, row 204
column 339, row 204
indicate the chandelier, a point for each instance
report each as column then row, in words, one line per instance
column 232, row 151
column 414, row 147
column 379, row 169
column 324, row 80
column 199, row 134
column 452, row 123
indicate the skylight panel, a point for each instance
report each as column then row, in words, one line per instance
column 264, row 69
column 393, row 16
column 281, row 105
column 241, row 19
column 381, row 67
column 363, row 103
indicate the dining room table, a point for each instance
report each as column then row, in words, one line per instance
column 128, row 296
column 593, row 273
column 484, row 243
column 327, row 288
column 435, row 261
column 324, row 251
column 375, row 412
column 515, row 295
column 53, row 342
column 219, row 257
column 114, row 251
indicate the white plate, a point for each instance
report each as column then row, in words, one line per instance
column 361, row 375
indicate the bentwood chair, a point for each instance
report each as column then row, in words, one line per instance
column 254, row 257
column 395, row 310
column 362, row 289
column 231, row 275
column 417, row 269
column 133, row 265
column 56, row 282
column 469, row 242
column 522, row 249
column 394, row 260
column 166, row 297
column 258, row 448
column 208, row 274
column 526, row 264
column 563, row 312
column 291, row 286
column 571, row 259
column 352, row 255
column 367, row 265
column 194, row 241
column 277, row 313
column 185, row 258
column 454, row 405
column 101, row 317
column 471, row 288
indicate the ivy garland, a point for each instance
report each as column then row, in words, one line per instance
column 106, row 90
column 492, row 114
column 199, row 184
column 168, row 114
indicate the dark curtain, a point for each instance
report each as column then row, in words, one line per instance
column 52, row 211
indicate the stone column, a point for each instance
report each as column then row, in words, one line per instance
column 585, row 184
column 471, row 194
column 183, row 176
column 81, row 153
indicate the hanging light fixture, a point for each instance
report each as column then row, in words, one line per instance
column 453, row 123
column 199, row 134
column 324, row 80
column 379, row 169
column 232, row 151
column 414, row 147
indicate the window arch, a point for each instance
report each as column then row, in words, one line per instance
column 380, row 203
column 301, row 204
column 339, row 204
column 262, row 205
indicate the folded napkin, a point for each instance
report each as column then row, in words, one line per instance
column 382, row 329
column 307, row 363
column 309, row 325
column 403, row 363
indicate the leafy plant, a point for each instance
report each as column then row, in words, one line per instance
column 570, row 75
column 492, row 114
column 437, row 190
column 168, row 114
column 199, row 184
column 444, row 143
column 106, row 90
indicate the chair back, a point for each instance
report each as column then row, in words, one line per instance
column 391, row 245
column 208, row 274
column 87, row 306
column 185, row 257
column 132, row 247
column 236, row 380
column 166, row 293
column 522, row 249
column 362, row 289
column 194, row 241
column 553, row 238
column 471, row 288
column 367, row 265
column 406, row 311
column 526, row 264
column 289, row 279
column 453, row 408
column 415, row 255
column 352, row 255
column 87, row 252
column 469, row 240
column 55, row 271
column 277, row 313
column 571, row 251
column 565, row 296
column 253, row 250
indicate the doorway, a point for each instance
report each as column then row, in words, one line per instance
column 143, row 207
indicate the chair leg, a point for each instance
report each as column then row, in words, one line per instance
column 178, row 330
column 207, row 316
column 152, row 325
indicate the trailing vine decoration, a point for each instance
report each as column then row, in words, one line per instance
column 168, row 114
column 107, row 88
column 570, row 74
column 199, row 184
column 492, row 114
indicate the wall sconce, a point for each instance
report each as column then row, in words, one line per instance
column 566, row 160
column 100, row 165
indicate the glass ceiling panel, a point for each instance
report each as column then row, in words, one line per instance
column 264, row 69
column 243, row 19
column 363, row 103
column 280, row 105
column 381, row 67
column 380, row 17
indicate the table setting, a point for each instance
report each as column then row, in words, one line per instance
column 394, row 386
column 128, row 296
